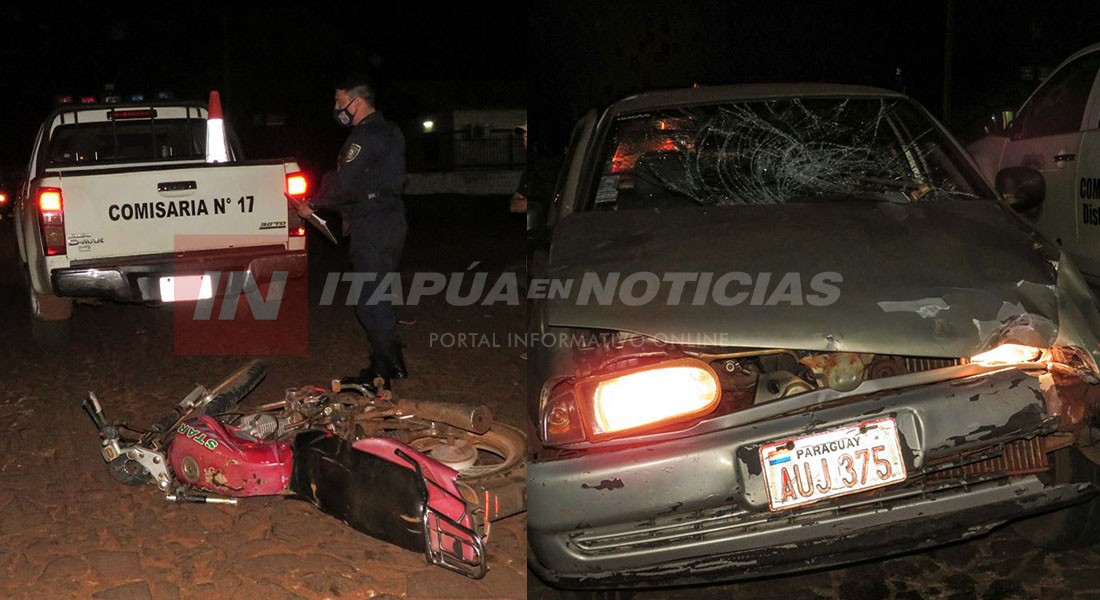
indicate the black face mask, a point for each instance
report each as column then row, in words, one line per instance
column 343, row 116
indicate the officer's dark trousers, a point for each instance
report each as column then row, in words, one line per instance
column 376, row 245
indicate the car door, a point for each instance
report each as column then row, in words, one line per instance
column 1086, row 252
column 565, row 191
column 1046, row 136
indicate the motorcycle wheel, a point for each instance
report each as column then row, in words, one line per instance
column 128, row 472
column 500, row 470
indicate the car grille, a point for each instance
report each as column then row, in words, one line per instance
column 1021, row 457
column 918, row 365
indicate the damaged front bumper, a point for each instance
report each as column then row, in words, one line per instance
column 696, row 508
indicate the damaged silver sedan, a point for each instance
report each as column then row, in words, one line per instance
column 796, row 328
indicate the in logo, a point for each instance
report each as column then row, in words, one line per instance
column 272, row 319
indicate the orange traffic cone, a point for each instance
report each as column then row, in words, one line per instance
column 217, row 148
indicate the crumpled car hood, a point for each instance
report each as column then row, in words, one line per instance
column 941, row 279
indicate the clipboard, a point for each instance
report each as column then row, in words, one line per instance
column 319, row 223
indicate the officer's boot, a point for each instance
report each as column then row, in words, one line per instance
column 398, row 369
column 366, row 378
column 386, row 360
column 382, row 355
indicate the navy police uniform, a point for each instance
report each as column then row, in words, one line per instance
column 366, row 188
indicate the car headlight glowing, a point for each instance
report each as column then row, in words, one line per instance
column 650, row 397
column 1008, row 354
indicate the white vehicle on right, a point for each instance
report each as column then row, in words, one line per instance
column 1046, row 162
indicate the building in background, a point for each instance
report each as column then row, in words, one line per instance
column 460, row 138
column 466, row 151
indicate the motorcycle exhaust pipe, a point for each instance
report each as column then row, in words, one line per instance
column 475, row 418
column 183, row 497
column 201, row 500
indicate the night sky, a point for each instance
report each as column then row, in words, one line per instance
column 588, row 54
column 262, row 57
column 558, row 57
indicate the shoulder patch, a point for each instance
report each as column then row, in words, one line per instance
column 352, row 153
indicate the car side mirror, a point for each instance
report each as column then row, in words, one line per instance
column 1021, row 187
column 999, row 123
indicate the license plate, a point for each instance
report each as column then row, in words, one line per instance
column 832, row 463
column 186, row 288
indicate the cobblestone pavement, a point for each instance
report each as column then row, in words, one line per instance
column 1001, row 566
column 70, row 531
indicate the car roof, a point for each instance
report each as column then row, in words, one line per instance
column 74, row 107
column 1082, row 51
column 742, row 92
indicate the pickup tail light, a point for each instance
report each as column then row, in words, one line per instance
column 296, row 185
column 51, row 219
column 49, row 202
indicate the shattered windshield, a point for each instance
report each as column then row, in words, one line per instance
column 777, row 151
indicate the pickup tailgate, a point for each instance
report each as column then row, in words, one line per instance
column 122, row 213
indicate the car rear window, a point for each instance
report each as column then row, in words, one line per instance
column 127, row 141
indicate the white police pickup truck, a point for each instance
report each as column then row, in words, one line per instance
column 120, row 202
column 1046, row 162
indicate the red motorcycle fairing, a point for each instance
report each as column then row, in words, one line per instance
column 389, row 491
column 443, row 495
column 209, row 455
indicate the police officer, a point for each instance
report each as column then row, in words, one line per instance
column 366, row 188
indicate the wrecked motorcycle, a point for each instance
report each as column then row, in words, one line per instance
column 427, row 476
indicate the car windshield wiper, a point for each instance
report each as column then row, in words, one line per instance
column 914, row 190
column 903, row 184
